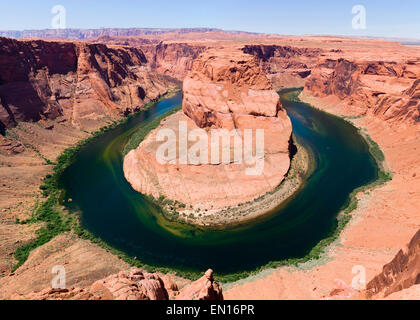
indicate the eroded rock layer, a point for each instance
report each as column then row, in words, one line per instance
column 401, row 273
column 133, row 284
column 226, row 90
column 390, row 90
column 86, row 84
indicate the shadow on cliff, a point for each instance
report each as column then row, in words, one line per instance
column 2, row 129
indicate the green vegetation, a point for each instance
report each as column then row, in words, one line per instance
column 292, row 93
column 342, row 220
column 86, row 235
column 314, row 254
column 141, row 134
column 54, row 222
column 374, row 149
column 51, row 215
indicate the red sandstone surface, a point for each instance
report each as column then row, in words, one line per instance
column 133, row 284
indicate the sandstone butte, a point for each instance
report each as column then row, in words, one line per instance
column 226, row 89
column 373, row 82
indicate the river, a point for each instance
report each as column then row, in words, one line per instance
column 112, row 210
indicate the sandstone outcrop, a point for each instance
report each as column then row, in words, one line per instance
column 126, row 285
column 226, row 90
column 9, row 146
column 204, row 288
column 86, row 84
column 387, row 89
column 173, row 59
column 285, row 66
column 134, row 284
column 401, row 273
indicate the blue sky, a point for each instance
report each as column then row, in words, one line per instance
column 385, row 18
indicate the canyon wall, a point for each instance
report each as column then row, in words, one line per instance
column 285, row 66
column 173, row 59
column 382, row 93
column 85, row 84
column 389, row 90
column 170, row 58
column 53, row 94
column 134, row 284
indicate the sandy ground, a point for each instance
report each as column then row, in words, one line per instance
column 21, row 174
column 84, row 263
column 384, row 222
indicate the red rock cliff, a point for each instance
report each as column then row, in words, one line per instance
column 170, row 58
column 173, row 59
column 88, row 84
column 388, row 90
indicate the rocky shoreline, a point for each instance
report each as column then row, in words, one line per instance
column 255, row 208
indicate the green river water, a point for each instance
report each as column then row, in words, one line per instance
column 125, row 219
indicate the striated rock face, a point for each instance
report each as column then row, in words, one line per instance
column 224, row 85
column 285, row 66
column 204, row 288
column 401, row 273
column 226, row 90
column 87, row 84
column 10, row 147
column 160, row 33
column 173, row 59
column 133, row 285
column 388, row 90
